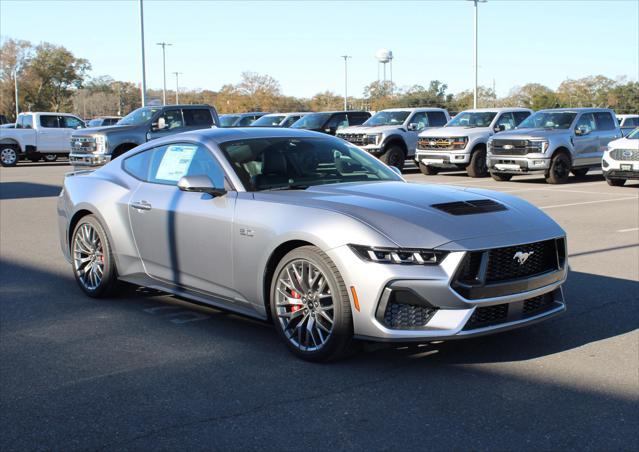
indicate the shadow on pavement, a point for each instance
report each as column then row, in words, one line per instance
column 21, row 190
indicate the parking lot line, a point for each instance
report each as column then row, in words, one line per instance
column 628, row 230
column 635, row 198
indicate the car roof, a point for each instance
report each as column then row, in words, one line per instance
column 496, row 109
column 578, row 110
column 47, row 113
column 626, row 115
column 412, row 109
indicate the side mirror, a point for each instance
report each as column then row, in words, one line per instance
column 412, row 126
column 500, row 128
column 200, row 184
column 161, row 124
column 582, row 130
column 330, row 130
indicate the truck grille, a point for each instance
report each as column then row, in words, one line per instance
column 510, row 147
column 432, row 143
column 625, row 154
column 355, row 138
column 82, row 144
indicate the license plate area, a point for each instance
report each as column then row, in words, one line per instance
column 507, row 167
column 625, row 167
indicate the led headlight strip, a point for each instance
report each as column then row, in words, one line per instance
column 398, row 255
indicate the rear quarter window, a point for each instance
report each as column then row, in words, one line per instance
column 197, row 117
column 604, row 121
column 520, row 116
column 437, row 119
column 49, row 121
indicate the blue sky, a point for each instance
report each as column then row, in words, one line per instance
column 300, row 43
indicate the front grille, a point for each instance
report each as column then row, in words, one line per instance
column 625, row 154
column 537, row 305
column 355, row 138
column 506, row 263
column 488, row 315
column 510, row 147
column 511, row 312
column 399, row 315
column 83, row 144
column 435, row 144
column 470, row 207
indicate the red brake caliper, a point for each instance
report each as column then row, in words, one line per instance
column 297, row 296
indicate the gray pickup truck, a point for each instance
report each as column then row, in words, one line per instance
column 97, row 146
column 553, row 142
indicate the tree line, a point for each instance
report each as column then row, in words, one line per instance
column 51, row 78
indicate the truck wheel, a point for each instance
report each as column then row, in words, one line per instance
column 394, row 156
column 501, row 177
column 616, row 182
column 477, row 166
column 581, row 172
column 8, row 155
column 559, row 169
column 50, row 158
column 428, row 170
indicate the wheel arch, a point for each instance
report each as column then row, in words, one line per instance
column 11, row 142
column 395, row 140
column 77, row 216
column 562, row 150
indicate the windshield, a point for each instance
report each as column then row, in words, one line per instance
column 228, row 120
column 472, row 119
column 268, row 121
column 95, row 123
column 312, row 121
column 387, row 118
column 298, row 163
column 139, row 116
column 634, row 135
column 548, row 120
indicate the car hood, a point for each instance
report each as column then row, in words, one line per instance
column 403, row 211
column 104, row 129
column 525, row 134
column 369, row 129
column 624, row 143
column 455, row 132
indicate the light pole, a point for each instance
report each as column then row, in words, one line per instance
column 164, row 44
column 15, row 79
column 143, row 86
column 177, row 87
column 346, row 57
column 475, row 50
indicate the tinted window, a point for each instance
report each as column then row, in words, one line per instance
column 167, row 164
column 337, row 121
column 520, row 116
column 312, row 121
column 27, row 122
column 507, row 120
column 246, row 121
column 49, row 121
column 604, row 121
column 586, row 121
column 290, row 120
column 437, row 119
column 70, row 122
column 631, row 122
column 356, row 119
column 420, row 120
column 110, row 121
column 197, row 117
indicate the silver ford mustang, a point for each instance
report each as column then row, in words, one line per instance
column 312, row 232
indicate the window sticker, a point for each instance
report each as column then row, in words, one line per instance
column 175, row 162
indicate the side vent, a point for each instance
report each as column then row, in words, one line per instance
column 470, row 207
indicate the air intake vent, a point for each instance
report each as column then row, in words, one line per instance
column 470, row 207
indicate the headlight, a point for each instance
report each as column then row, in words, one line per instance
column 459, row 143
column 373, row 139
column 398, row 255
column 100, row 144
column 537, row 146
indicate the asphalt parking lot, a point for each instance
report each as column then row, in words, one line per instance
column 150, row 371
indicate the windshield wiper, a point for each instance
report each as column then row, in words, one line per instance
column 290, row 187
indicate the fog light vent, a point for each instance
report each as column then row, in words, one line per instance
column 400, row 315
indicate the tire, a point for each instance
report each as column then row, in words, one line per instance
column 9, row 155
column 477, row 166
column 394, row 156
column 501, row 177
column 616, row 182
column 50, row 158
column 559, row 169
column 428, row 170
column 581, row 172
column 84, row 246
column 327, row 341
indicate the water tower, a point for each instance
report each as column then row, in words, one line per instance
column 384, row 56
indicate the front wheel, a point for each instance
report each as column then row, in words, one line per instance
column 616, row 182
column 8, row 155
column 93, row 261
column 477, row 166
column 428, row 170
column 501, row 177
column 559, row 169
column 50, row 158
column 394, row 156
column 310, row 305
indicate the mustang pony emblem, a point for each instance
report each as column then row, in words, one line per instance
column 522, row 257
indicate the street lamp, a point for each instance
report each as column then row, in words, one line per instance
column 475, row 53
column 346, row 57
column 143, row 86
column 15, row 80
column 177, row 87
column 164, row 44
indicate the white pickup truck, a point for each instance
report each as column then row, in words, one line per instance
column 38, row 136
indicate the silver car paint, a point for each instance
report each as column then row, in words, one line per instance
column 216, row 250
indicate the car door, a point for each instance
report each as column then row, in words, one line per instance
column 51, row 134
column 67, row 125
column 169, row 122
column 586, row 141
column 606, row 129
column 183, row 238
column 420, row 121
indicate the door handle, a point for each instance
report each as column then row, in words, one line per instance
column 141, row 205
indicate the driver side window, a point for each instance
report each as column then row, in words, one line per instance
column 507, row 121
column 172, row 119
column 420, row 120
column 338, row 121
column 586, row 121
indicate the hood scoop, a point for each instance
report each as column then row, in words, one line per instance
column 471, row 207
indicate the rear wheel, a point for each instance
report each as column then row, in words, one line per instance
column 50, row 157
column 581, row 172
column 93, row 262
column 8, row 155
column 310, row 305
column 428, row 170
column 501, row 177
column 616, row 182
column 559, row 169
column 394, row 156
column 477, row 166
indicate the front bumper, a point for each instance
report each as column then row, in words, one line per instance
column 617, row 169
column 89, row 160
column 436, row 310
column 509, row 164
column 442, row 159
